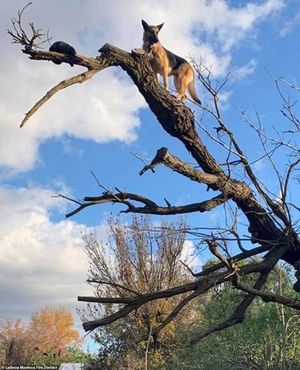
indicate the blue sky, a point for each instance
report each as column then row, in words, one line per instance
column 98, row 125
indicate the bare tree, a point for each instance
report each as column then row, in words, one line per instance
column 271, row 218
column 14, row 342
column 139, row 258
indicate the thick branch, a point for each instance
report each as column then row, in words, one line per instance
column 80, row 60
column 135, row 303
column 115, row 300
column 237, row 316
column 216, row 182
column 149, row 206
column 231, row 189
column 172, row 315
column 238, row 257
column 270, row 297
column 201, row 286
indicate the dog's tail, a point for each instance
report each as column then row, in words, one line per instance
column 193, row 93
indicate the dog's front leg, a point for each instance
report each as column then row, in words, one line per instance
column 166, row 80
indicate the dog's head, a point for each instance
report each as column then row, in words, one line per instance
column 151, row 33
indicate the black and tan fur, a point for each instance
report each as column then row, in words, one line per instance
column 166, row 63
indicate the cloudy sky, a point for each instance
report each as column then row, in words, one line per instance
column 98, row 125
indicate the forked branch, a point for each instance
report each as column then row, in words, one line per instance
column 149, row 207
column 238, row 314
column 200, row 286
column 20, row 36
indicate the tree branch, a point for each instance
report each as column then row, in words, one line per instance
column 172, row 315
column 202, row 285
column 134, row 303
column 237, row 316
column 102, row 282
column 269, row 297
column 113, row 300
column 150, row 207
column 82, row 77
column 238, row 257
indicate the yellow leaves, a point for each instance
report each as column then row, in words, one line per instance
column 53, row 328
column 137, row 259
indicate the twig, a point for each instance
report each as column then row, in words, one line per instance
column 101, row 282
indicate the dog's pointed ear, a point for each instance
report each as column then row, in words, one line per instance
column 160, row 26
column 145, row 25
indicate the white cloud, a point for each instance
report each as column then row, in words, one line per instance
column 190, row 256
column 224, row 97
column 42, row 262
column 86, row 111
column 241, row 73
column 107, row 107
column 289, row 26
column 232, row 24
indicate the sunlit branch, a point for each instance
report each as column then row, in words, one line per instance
column 163, row 156
column 213, row 247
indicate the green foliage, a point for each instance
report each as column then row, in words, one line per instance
column 54, row 357
column 76, row 355
column 268, row 338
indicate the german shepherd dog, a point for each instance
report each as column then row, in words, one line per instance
column 165, row 63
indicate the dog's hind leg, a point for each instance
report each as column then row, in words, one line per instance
column 180, row 87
